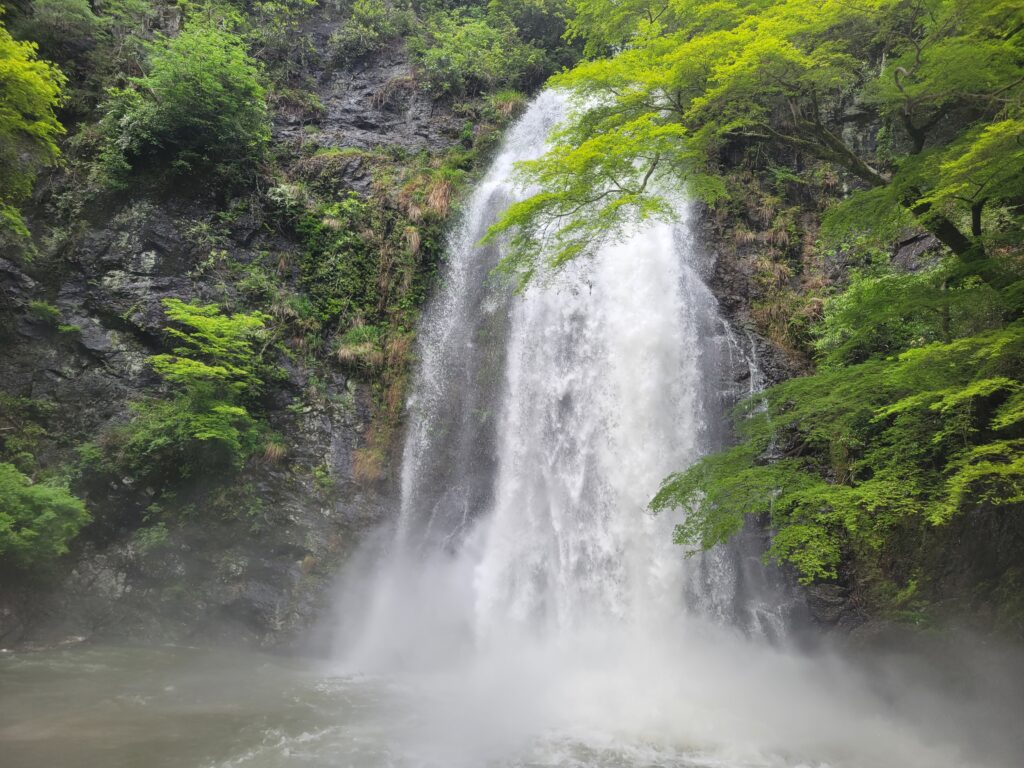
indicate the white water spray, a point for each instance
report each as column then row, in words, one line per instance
column 526, row 599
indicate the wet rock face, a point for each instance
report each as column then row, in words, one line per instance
column 731, row 280
column 375, row 102
column 255, row 578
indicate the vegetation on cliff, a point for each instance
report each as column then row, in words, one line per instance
column 146, row 105
column 36, row 519
column 204, row 427
column 199, row 107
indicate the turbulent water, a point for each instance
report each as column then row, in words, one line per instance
column 525, row 609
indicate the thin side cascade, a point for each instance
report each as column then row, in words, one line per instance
column 540, row 426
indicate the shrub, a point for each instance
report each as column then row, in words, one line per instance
column 204, row 427
column 36, row 521
column 215, row 348
column 467, row 54
column 275, row 35
column 372, row 25
column 194, row 433
column 200, row 108
column 22, row 430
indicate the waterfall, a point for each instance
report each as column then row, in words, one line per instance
column 540, row 426
column 540, row 614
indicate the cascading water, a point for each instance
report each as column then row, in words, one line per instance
column 525, row 600
column 542, row 424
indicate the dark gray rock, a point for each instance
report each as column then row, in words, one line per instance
column 916, row 252
column 16, row 288
column 370, row 104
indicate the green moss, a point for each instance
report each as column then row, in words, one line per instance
column 45, row 311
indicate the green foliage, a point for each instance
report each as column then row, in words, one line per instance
column 340, row 268
column 274, row 34
column 22, row 430
column 372, row 25
column 883, row 312
column 204, row 427
column 690, row 82
column 30, row 92
column 196, row 432
column 577, row 211
column 65, row 30
column 36, row 520
column 362, row 346
column 542, row 24
column 151, row 537
column 465, row 53
column 201, row 107
column 214, row 348
column 843, row 461
column 507, row 102
column 367, row 258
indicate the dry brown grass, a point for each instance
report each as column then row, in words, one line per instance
column 398, row 350
column 394, row 397
column 414, row 212
column 742, row 236
column 778, row 236
column 274, row 453
column 282, row 310
column 439, row 198
column 767, row 207
column 367, row 465
column 412, row 239
column 396, row 86
column 364, row 355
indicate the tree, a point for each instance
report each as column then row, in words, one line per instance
column 201, row 107
column 65, row 30
column 942, row 79
column 842, row 460
column 30, row 92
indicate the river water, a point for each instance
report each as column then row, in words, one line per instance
column 524, row 609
